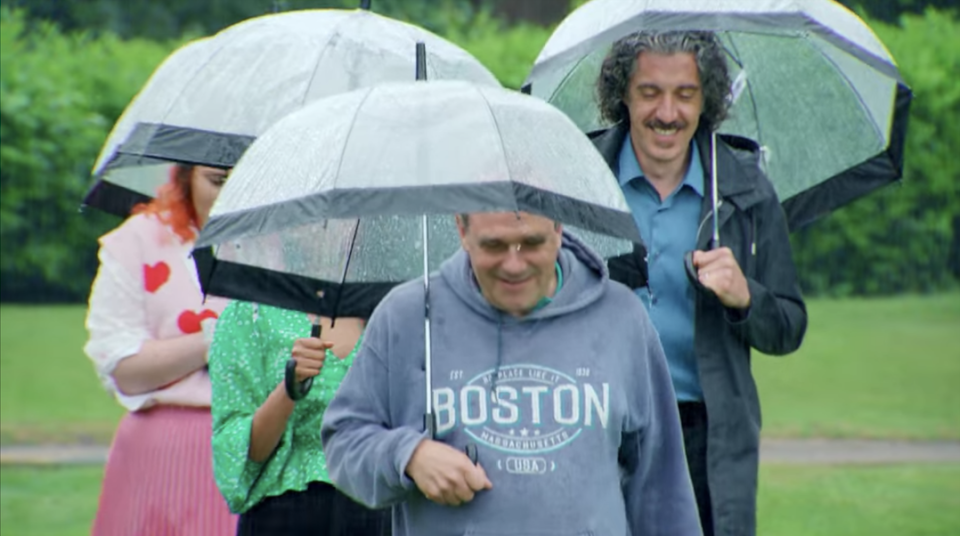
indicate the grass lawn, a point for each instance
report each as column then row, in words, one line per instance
column 922, row 500
column 900, row 500
column 48, row 501
column 869, row 368
column 48, row 388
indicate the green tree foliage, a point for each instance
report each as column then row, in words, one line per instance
column 60, row 93
column 59, row 97
column 508, row 51
column 890, row 11
column 173, row 18
column 905, row 237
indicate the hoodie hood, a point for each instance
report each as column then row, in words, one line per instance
column 584, row 279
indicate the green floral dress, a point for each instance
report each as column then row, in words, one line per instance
column 250, row 349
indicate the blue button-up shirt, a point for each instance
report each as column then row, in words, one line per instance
column 668, row 229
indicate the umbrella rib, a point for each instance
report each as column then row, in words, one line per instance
column 503, row 147
column 343, row 276
column 346, row 139
column 567, row 76
column 316, row 66
column 863, row 106
column 753, row 98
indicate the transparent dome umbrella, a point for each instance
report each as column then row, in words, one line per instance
column 337, row 203
column 812, row 85
column 210, row 99
column 118, row 188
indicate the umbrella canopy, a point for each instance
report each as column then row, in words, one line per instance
column 811, row 83
column 119, row 188
column 330, row 203
column 212, row 98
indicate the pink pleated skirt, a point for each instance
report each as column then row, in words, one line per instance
column 159, row 478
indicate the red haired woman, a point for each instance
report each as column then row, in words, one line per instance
column 146, row 321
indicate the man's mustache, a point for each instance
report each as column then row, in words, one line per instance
column 660, row 125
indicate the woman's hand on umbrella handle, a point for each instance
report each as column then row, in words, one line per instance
column 309, row 353
column 306, row 362
column 295, row 390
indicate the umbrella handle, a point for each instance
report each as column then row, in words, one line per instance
column 294, row 391
column 471, row 451
column 692, row 273
column 430, row 427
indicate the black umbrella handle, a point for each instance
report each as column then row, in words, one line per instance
column 430, row 426
column 471, row 451
column 294, row 390
column 692, row 274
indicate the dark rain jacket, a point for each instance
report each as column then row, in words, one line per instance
column 753, row 226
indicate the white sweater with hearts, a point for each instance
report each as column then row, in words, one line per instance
column 146, row 288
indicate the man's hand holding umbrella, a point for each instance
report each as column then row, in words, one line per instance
column 719, row 272
column 446, row 475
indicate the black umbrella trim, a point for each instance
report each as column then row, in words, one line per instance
column 152, row 141
column 113, row 198
column 415, row 201
column 578, row 213
column 858, row 181
column 124, row 160
column 288, row 291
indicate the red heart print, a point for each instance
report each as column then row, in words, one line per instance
column 155, row 276
column 189, row 321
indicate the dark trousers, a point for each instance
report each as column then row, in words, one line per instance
column 693, row 418
column 320, row 510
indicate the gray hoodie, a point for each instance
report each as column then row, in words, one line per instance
column 571, row 408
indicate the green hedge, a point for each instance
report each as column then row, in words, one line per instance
column 59, row 97
column 507, row 51
column 60, row 93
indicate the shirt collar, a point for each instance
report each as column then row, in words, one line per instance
column 630, row 167
column 546, row 300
